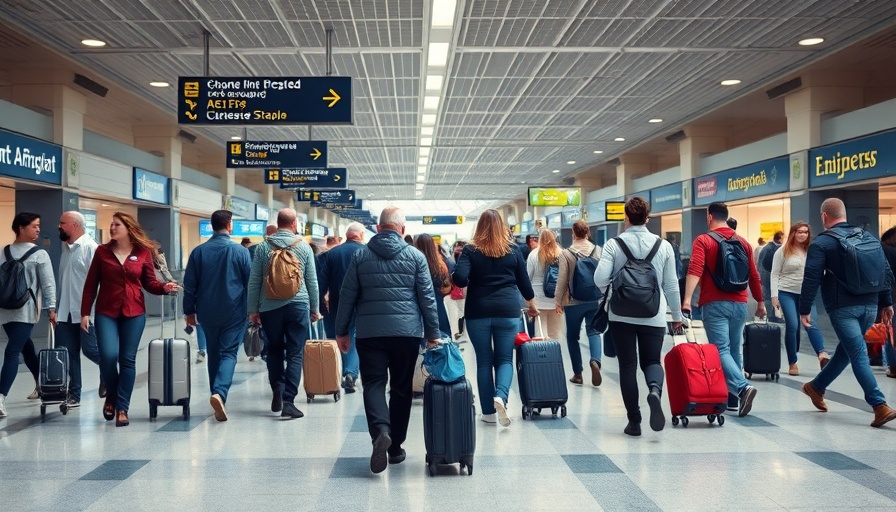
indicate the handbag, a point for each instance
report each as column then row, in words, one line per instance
column 444, row 362
column 523, row 335
column 457, row 293
column 601, row 320
column 879, row 334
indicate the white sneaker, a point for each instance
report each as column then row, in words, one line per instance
column 34, row 394
column 2, row 406
column 503, row 419
column 489, row 418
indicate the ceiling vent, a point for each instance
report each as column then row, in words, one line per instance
column 676, row 137
column 615, row 161
column 91, row 86
column 187, row 136
column 569, row 181
column 781, row 90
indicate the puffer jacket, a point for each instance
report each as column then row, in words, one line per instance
column 388, row 290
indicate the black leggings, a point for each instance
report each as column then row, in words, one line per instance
column 632, row 341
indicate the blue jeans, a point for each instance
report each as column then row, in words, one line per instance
column 575, row 315
column 724, row 324
column 72, row 337
column 492, row 340
column 19, row 333
column 850, row 324
column 118, row 340
column 790, row 303
column 223, row 346
column 350, row 364
column 287, row 329
column 201, row 340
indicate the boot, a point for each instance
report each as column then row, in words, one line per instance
column 882, row 414
column 634, row 425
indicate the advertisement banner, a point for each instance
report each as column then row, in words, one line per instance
column 149, row 186
column 754, row 180
column 666, row 198
column 864, row 158
column 570, row 196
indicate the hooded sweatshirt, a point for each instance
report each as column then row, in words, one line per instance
column 307, row 294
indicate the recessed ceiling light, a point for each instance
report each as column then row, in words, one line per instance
column 104, row 205
column 429, row 119
column 421, row 179
column 655, row 120
column 732, row 81
column 811, row 41
column 424, row 151
column 523, row 182
column 159, row 84
column 619, row 139
column 426, row 141
column 427, row 130
column 571, row 162
column 235, row 137
column 93, row 43
column 597, row 151
column 555, row 171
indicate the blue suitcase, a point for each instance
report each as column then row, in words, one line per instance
column 449, row 424
column 542, row 379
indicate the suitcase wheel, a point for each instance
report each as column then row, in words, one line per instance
column 43, row 411
column 469, row 468
column 554, row 410
column 684, row 421
column 309, row 398
column 63, row 408
column 674, row 421
column 711, row 418
column 527, row 413
column 432, row 470
column 186, row 412
column 721, row 420
column 749, row 375
column 337, row 395
column 153, row 412
column 562, row 411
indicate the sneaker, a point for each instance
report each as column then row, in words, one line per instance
column 72, row 403
column 218, row 406
column 793, row 370
column 277, row 402
column 882, row 414
column 501, row 409
column 397, row 457
column 291, row 411
column 823, row 359
column 2, row 406
column 817, row 398
column 200, row 356
column 348, row 383
column 657, row 418
column 632, row 429
column 746, row 400
column 34, row 394
column 379, row 458
column 733, row 402
column 491, row 419
column 596, row 377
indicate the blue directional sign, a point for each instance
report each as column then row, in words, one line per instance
column 250, row 153
column 264, row 100
column 336, row 177
column 443, row 219
column 342, row 197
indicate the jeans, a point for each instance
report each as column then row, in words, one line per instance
column 350, row 365
column 492, row 340
column 201, row 340
column 72, row 337
column 850, row 324
column 19, row 334
column 790, row 303
column 223, row 346
column 724, row 324
column 287, row 329
column 392, row 361
column 118, row 340
column 575, row 315
column 633, row 343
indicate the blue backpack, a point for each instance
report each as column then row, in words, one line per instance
column 864, row 263
column 581, row 281
column 550, row 279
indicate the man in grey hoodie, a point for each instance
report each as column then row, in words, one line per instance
column 398, row 309
column 286, row 323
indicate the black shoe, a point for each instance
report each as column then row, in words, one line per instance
column 418, row 395
column 398, row 458
column 733, row 402
column 277, row 402
column 379, row 457
column 746, row 401
column 657, row 419
column 633, row 429
column 348, row 383
column 291, row 411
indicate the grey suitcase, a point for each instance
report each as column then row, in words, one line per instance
column 169, row 371
column 53, row 376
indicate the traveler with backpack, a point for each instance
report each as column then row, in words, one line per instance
column 639, row 268
column 578, row 297
column 543, row 267
column 283, row 299
column 26, row 280
column 119, row 272
column 722, row 265
column 457, row 299
column 788, row 265
column 850, row 267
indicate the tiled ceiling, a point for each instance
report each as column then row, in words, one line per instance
column 531, row 84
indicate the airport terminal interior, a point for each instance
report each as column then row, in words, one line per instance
column 550, row 112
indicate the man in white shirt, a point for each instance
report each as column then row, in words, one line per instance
column 77, row 254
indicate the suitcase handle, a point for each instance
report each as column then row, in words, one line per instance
column 51, row 336
column 162, row 315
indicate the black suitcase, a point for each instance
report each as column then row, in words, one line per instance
column 762, row 350
column 449, row 424
column 542, row 379
column 53, row 376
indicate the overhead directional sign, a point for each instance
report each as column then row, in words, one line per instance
column 264, row 100
column 339, row 197
column 335, row 177
column 251, row 153
column 443, row 219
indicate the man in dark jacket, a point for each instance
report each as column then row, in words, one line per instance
column 333, row 266
column 764, row 264
column 851, row 314
column 215, row 287
column 388, row 290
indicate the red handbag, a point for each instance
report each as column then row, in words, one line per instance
column 457, row 293
column 880, row 333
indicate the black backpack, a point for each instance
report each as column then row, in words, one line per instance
column 732, row 264
column 550, row 279
column 636, row 289
column 581, row 281
column 14, row 290
column 864, row 262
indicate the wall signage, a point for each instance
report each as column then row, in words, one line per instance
column 615, row 211
column 442, row 219
column 240, row 207
column 666, row 198
column 30, row 159
column 241, row 228
column 753, row 180
column 149, row 186
column 864, row 158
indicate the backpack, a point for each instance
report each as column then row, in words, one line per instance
column 14, row 289
column 864, row 262
column 550, row 279
column 581, row 280
column 636, row 289
column 732, row 264
column 284, row 276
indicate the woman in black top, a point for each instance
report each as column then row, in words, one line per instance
column 494, row 272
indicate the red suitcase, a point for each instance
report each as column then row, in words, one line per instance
column 695, row 383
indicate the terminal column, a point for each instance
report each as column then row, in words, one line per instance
column 162, row 222
column 699, row 141
column 49, row 89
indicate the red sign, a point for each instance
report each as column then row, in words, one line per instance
column 706, row 187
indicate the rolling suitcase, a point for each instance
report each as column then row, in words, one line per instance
column 53, row 376
column 695, row 382
column 169, row 370
column 449, row 424
column 322, row 366
column 762, row 350
column 542, row 379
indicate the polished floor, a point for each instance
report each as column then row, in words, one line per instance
column 784, row 456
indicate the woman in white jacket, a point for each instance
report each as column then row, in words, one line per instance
column 541, row 258
column 632, row 335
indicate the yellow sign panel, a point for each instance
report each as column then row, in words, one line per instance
column 274, row 175
column 615, row 211
column 236, row 148
column 191, row 89
column 767, row 230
